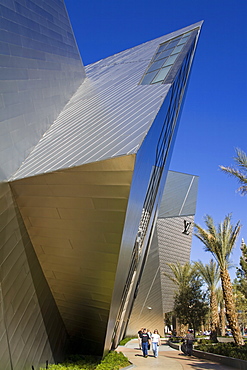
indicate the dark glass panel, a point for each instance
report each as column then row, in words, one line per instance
column 157, row 65
column 183, row 40
column 148, row 78
column 164, row 54
column 177, row 49
column 170, row 60
column 173, row 43
column 162, row 74
column 162, row 47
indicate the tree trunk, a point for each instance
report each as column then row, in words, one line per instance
column 214, row 316
column 230, row 307
column 222, row 320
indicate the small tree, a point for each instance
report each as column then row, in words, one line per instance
column 241, row 306
column 190, row 304
column 181, row 276
column 241, row 282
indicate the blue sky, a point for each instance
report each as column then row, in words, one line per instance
column 214, row 117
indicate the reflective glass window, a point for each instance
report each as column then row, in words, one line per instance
column 177, row 49
column 170, row 60
column 164, row 54
column 148, row 78
column 164, row 59
column 161, row 75
column 157, row 65
column 172, row 44
column 162, row 47
column 183, row 40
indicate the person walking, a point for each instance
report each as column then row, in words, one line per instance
column 149, row 333
column 139, row 338
column 189, row 342
column 145, row 341
column 156, row 342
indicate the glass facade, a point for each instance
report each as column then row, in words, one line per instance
column 164, row 60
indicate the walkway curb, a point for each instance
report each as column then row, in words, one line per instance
column 229, row 361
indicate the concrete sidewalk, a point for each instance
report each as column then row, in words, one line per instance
column 169, row 359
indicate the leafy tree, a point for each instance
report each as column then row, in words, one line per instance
column 220, row 242
column 181, row 276
column 242, row 271
column 210, row 274
column 241, row 305
column 190, row 304
column 168, row 320
column 241, row 172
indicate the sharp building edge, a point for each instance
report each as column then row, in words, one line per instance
column 85, row 221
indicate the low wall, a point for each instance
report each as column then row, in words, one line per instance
column 174, row 345
column 230, row 361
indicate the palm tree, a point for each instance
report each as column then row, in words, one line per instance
column 222, row 316
column 181, row 274
column 241, row 172
column 210, row 274
column 220, row 243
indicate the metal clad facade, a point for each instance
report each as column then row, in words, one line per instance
column 109, row 115
column 170, row 244
column 85, row 154
column 40, row 68
column 75, row 220
column 28, row 325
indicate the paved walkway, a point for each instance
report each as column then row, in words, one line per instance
column 169, row 359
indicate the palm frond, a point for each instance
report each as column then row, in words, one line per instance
column 239, row 173
column 209, row 273
column 220, row 241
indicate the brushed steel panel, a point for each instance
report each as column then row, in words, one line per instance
column 169, row 244
column 174, row 247
column 185, row 186
column 109, row 115
column 39, row 54
column 81, row 270
column 21, row 286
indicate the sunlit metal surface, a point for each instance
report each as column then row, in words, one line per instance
column 109, row 115
column 171, row 243
column 40, row 68
column 75, row 219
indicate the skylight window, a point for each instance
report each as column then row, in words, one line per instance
column 164, row 60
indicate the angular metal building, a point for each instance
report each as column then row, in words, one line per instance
column 171, row 243
column 84, row 158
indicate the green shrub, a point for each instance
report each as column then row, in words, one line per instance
column 205, row 341
column 225, row 349
column 77, row 362
column 126, row 340
column 113, row 361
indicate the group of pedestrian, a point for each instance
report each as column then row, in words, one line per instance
column 148, row 339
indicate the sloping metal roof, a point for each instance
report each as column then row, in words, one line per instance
column 108, row 116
